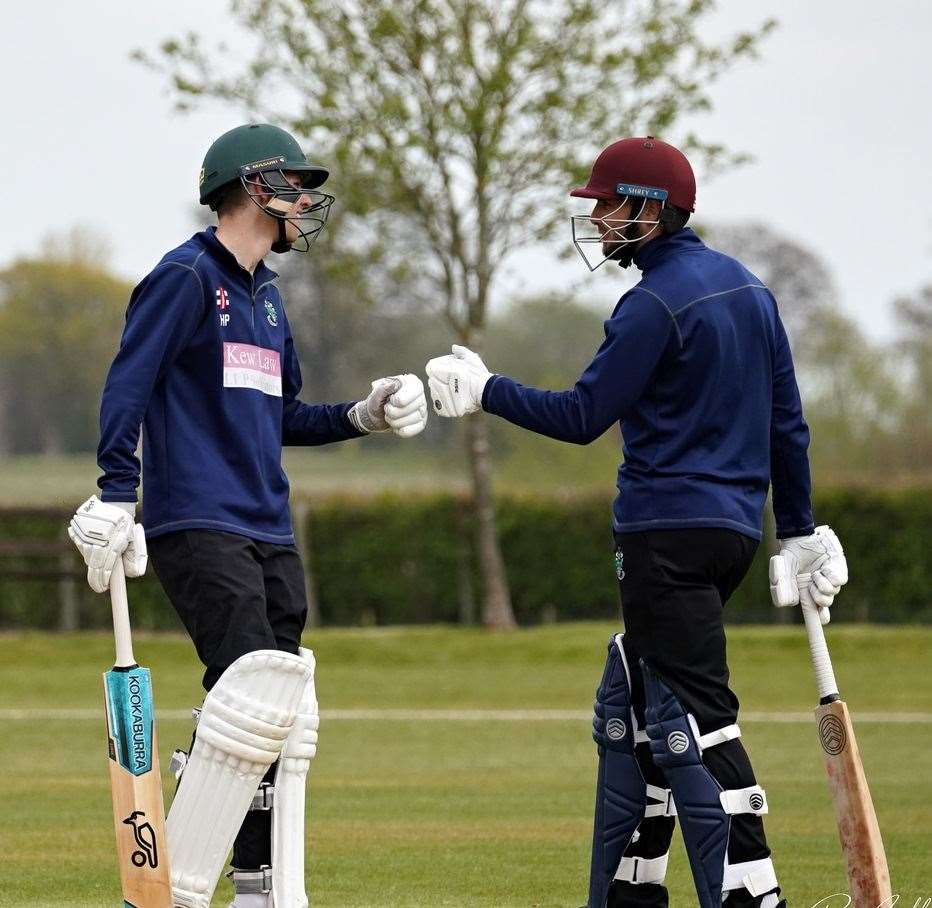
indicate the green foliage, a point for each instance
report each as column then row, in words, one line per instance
column 461, row 124
column 424, row 539
column 60, row 320
column 406, row 558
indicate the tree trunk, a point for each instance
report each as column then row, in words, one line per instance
column 496, row 601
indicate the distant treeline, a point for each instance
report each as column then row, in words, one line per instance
column 408, row 559
column 61, row 316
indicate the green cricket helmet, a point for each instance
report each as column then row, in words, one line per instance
column 258, row 156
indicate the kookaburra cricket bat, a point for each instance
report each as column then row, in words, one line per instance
column 136, row 786
column 865, row 859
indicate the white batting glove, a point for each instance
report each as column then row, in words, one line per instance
column 406, row 410
column 136, row 556
column 369, row 415
column 101, row 531
column 457, row 381
column 810, row 570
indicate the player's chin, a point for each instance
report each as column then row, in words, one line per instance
column 610, row 250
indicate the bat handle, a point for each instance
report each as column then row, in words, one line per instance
column 821, row 661
column 120, row 606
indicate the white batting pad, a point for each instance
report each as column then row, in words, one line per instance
column 242, row 727
column 288, row 813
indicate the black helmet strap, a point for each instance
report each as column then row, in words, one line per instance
column 281, row 244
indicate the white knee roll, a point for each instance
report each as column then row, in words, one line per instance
column 242, row 727
column 288, row 814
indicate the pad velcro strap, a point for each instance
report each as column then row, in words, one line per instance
column 641, row 736
column 719, row 736
column 758, row 877
column 745, row 800
column 642, row 870
column 264, row 797
column 251, row 882
column 663, row 806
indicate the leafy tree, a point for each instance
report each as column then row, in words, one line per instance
column 463, row 123
column 60, row 322
column 547, row 341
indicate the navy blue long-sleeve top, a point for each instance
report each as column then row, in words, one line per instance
column 697, row 370
column 207, row 364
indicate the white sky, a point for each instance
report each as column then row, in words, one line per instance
column 836, row 114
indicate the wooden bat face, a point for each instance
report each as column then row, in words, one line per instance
column 866, row 860
column 136, row 789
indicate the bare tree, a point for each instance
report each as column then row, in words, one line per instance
column 914, row 315
column 463, row 123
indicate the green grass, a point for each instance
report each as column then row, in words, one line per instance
column 463, row 813
column 531, row 463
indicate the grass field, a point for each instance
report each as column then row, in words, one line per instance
column 67, row 480
column 413, row 806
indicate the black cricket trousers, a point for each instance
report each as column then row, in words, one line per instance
column 234, row 595
column 674, row 585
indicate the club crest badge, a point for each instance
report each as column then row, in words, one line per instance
column 270, row 314
column 619, row 564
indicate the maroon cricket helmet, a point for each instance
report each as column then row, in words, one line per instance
column 639, row 163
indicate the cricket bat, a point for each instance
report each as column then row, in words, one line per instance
column 865, row 859
column 135, row 783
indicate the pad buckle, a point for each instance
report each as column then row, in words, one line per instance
column 251, row 882
column 264, row 798
column 177, row 763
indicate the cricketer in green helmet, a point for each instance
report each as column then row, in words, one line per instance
column 207, row 364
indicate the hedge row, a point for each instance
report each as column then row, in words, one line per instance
column 404, row 559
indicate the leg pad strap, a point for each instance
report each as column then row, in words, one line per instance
column 745, row 800
column 643, row 870
column 758, row 877
column 251, row 882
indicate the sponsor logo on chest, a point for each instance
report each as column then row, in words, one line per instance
column 247, row 366
column 223, row 303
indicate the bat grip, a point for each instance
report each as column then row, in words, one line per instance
column 821, row 661
column 120, row 607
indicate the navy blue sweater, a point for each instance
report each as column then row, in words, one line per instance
column 207, row 363
column 697, row 369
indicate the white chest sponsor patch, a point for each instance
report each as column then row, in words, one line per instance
column 246, row 366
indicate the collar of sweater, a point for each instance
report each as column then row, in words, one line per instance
column 659, row 250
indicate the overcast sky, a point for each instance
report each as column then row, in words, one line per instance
column 836, row 114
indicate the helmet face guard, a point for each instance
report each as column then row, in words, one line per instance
column 271, row 191
column 613, row 231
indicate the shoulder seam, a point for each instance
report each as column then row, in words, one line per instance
column 266, row 284
column 679, row 335
column 189, row 267
column 709, row 296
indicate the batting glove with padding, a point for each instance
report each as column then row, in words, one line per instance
column 809, row 571
column 457, row 381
